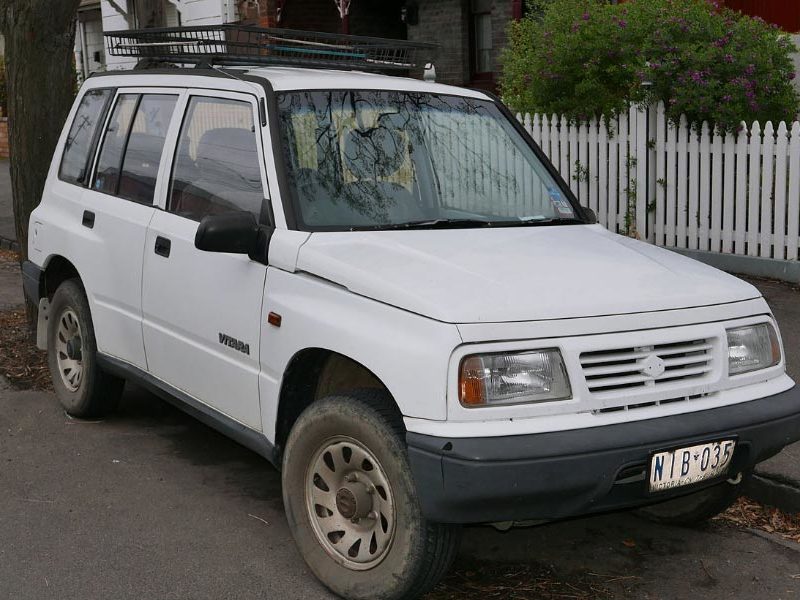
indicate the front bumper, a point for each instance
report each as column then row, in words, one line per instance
column 568, row 473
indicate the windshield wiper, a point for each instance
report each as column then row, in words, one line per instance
column 431, row 224
column 466, row 224
column 548, row 221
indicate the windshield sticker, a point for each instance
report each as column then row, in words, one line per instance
column 562, row 206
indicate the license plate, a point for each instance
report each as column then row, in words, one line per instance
column 685, row 466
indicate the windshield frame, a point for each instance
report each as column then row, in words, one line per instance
column 289, row 192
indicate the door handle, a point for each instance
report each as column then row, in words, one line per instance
column 88, row 219
column 163, row 246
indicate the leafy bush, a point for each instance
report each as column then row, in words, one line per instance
column 588, row 58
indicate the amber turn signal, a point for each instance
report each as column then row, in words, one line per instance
column 471, row 382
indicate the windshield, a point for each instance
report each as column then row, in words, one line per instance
column 390, row 159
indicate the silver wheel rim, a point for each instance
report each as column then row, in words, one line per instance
column 350, row 503
column 69, row 342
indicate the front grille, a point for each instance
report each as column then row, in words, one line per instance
column 646, row 366
column 626, row 407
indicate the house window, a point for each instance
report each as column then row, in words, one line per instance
column 482, row 37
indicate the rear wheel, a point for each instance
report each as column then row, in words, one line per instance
column 351, row 502
column 82, row 387
column 695, row 508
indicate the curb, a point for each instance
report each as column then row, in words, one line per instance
column 7, row 244
column 773, row 492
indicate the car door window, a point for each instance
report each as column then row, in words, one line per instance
column 145, row 146
column 119, row 125
column 132, row 146
column 216, row 166
column 81, row 137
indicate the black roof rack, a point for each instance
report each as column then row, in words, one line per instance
column 245, row 45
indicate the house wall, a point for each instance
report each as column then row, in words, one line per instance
column 4, row 137
column 380, row 18
column 116, row 16
column 784, row 13
column 119, row 14
column 502, row 15
column 445, row 22
column 448, row 23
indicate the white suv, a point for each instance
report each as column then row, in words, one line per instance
column 382, row 286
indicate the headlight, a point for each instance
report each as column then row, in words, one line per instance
column 496, row 379
column 752, row 348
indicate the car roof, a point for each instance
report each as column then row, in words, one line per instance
column 294, row 78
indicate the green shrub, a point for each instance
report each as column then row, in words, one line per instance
column 588, row 58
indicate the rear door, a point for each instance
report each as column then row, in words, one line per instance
column 202, row 310
column 115, row 211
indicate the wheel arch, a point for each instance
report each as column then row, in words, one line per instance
column 58, row 269
column 314, row 373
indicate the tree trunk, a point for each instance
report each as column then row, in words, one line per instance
column 41, row 79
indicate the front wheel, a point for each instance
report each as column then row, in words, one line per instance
column 352, row 506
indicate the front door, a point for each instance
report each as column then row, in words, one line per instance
column 202, row 310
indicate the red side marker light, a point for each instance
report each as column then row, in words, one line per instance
column 274, row 319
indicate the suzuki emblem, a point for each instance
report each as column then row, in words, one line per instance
column 653, row 366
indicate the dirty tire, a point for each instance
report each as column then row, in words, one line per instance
column 94, row 393
column 420, row 552
column 696, row 508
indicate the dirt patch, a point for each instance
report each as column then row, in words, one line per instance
column 750, row 514
column 9, row 261
column 520, row 582
column 21, row 362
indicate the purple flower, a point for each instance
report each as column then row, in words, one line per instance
column 586, row 16
column 728, row 58
column 792, row 75
column 622, row 23
column 727, row 98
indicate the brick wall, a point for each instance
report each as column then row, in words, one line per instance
column 445, row 22
column 448, row 23
column 379, row 18
column 3, row 137
column 502, row 15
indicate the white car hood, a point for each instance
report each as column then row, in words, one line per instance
column 516, row 274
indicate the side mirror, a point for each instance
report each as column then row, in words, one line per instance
column 233, row 233
column 589, row 215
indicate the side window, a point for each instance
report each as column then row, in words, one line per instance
column 88, row 118
column 216, row 166
column 108, row 164
column 132, row 146
column 145, row 146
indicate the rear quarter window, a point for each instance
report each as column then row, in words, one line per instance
column 82, row 136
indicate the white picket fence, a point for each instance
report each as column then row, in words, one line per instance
column 680, row 186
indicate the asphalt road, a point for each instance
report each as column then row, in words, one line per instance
column 150, row 504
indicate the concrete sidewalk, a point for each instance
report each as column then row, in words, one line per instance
column 7, row 232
